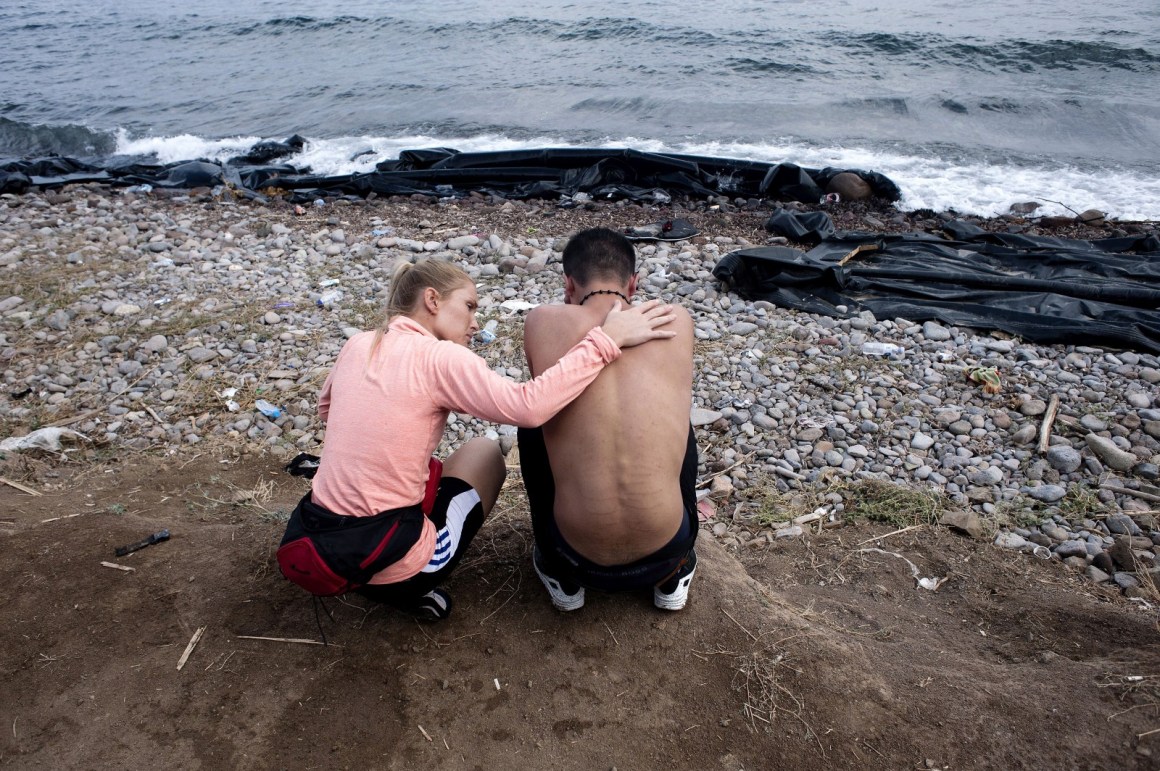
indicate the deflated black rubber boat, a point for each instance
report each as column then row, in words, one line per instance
column 518, row 174
column 1046, row 290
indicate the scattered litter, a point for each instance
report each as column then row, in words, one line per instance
column 487, row 334
column 162, row 301
column 988, row 376
column 20, row 487
column 873, row 348
column 930, row 584
column 284, row 304
column 299, row 210
column 189, row 648
column 517, row 306
column 793, row 531
column 328, row 282
column 830, row 198
column 497, row 683
column 318, row 202
column 267, row 409
column 228, row 393
column 158, row 537
column 667, row 230
column 50, row 439
column 295, row 640
column 139, row 189
column 706, row 510
column 115, row 566
column 383, row 232
column 753, row 353
column 329, row 298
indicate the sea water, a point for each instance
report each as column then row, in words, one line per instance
column 967, row 106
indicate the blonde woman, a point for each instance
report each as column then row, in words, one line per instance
column 384, row 518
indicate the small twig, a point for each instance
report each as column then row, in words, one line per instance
column 1060, row 203
column 20, row 487
column 743, row 629
column 66, row 516
column 426, row 735
column 887, row 535
column 1148, row 733
column 189, row 648
column 715, row 474
column 1048, row 419
column 115, row 566
column 606, row 626
column 297, row 640
column 1133, row 493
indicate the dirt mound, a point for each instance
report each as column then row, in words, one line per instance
column 812, row 654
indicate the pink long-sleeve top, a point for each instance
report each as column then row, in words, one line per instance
column 386, row 413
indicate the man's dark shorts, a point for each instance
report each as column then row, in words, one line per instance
column 564, row 563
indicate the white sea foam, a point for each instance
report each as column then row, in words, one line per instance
column 183, row 147
column 926, row 182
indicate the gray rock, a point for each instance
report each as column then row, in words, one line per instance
column 992, row 475
column 1122, row 524
column 1096, row 575
column 1046, row 493
column 201, row 355
column 1074, row 548
column 932, row 330
column 1110, row 454
column 965, row 520
column 58, row 320
column 1139, row 400
column 1063, row 458
column 921, row 441
column 703, row 417
column 1033, row 407
column 1024, row 435
column 1125, row 580
column 1009, row 540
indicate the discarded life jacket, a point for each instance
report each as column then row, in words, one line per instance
column 329, row 554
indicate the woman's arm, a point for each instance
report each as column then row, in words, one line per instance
column 464, row 383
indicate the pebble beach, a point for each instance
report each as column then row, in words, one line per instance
column 177, row 321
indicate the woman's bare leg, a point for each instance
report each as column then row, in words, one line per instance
column 480, row 464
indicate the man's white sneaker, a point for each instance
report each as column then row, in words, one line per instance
column 674, row 593
column 557, row 590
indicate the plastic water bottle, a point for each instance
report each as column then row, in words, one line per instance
column 873, row 348
column 329, row 298
column 487, row 334
column 267, row 409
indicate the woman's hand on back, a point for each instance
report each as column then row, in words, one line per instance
column 638, row 324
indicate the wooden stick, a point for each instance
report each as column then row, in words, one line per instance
column 66, row 516
column 716, row 474
column 1133, row 493
column 1048, row 419
column 887, row 535
column 297, row 640
column 20, row 487
column 189, row 648
column 74, row 419
column 115, row 566
column 426, row 735
column 856, row 251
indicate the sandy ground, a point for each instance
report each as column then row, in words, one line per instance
column 807, row 654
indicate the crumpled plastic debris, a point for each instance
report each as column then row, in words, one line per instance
column 517, row 305
column 51, row 439
column 988, row 376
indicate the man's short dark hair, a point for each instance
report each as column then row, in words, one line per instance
column 599, row 253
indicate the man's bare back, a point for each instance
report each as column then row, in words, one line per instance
column 616, row 451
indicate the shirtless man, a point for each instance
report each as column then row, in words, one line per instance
column 611, row 478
